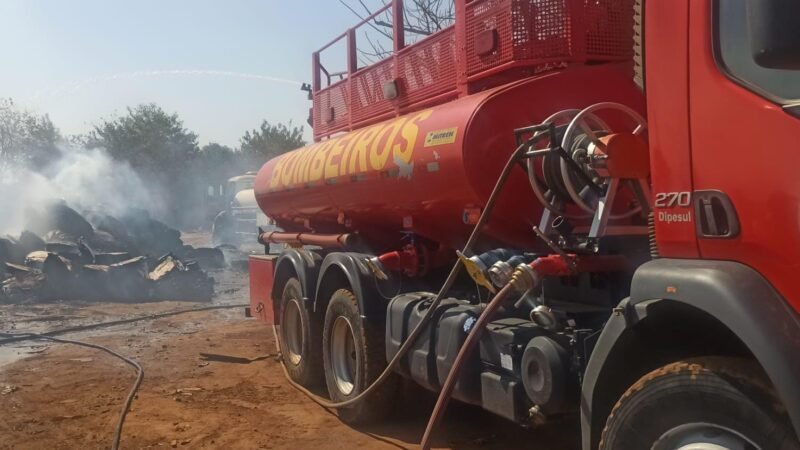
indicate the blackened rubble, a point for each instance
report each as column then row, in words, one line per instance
column 64, row 255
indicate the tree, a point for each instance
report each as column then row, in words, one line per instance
column 270, row 141
column 26, row 139
column 215, row 153
column 163, row 152
column 148, row 138
column 218, row 163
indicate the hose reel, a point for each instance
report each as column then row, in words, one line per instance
column 545, row 173
column 595, row 163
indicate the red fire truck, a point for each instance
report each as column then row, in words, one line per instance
column 553, row 208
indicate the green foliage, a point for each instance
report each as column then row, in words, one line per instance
column 218, row 163
column 25, row 138
column 213, row 151
column 270, row 141
column 148, row 138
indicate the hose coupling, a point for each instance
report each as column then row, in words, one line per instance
column 525, row 278
column 500, row 273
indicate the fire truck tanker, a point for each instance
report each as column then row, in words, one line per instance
column 553, row 208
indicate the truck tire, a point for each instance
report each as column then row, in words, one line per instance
column 301, row 348
column 354, row 356
column 711, row 402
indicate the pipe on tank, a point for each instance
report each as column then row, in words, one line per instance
column 320, row 240
column 406, row 260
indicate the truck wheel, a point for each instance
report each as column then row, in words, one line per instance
column 299, row 337
column 354, row 356
column 704, row 403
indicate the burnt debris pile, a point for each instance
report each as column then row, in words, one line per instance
column 64, row 255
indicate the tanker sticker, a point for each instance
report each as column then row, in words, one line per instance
column 441, row 137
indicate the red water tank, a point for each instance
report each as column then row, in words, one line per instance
column 430, row 172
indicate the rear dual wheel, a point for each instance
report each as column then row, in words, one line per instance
column 712, row 403
column 299, row 336
column 354, row 357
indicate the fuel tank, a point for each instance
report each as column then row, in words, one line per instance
column 430, row 172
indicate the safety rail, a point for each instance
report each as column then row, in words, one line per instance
column 492, row 42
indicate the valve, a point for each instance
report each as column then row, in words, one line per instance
column 412, row 260
column 543, row 316
column 527, row 279
column 494, row 268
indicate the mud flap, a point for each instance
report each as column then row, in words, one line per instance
column 261, row 279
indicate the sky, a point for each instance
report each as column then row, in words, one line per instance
column 223, row 66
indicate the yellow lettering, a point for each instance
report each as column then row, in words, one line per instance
column 288, row 169
column 409, row 134
column 317, row 166
column 377, row 158
column 297, row 159
column 346, row 154
column 350, row 154
column 332, row 163
column 276, row 172
column 360, row 149
column 301, row 167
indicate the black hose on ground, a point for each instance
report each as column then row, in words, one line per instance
column 518, row 154
column 131, row 362
column 93, row 326
column 20, row 337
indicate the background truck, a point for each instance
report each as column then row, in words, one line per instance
column 238, row 223
column 553, row 208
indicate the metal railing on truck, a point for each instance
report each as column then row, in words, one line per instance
column 492, row 42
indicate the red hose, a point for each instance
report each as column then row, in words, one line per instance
column 472, row 339
column 551, row 265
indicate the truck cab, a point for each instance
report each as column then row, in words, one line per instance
column 719, row 115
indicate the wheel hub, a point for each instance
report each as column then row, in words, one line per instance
column 343, row 355
column 703, row 436
column 292, row 325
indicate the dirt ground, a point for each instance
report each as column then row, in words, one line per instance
column 212, row 380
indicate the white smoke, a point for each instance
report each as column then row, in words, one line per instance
column 85, row 179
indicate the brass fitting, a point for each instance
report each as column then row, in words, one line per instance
column 374, row 264
column 525, row 278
